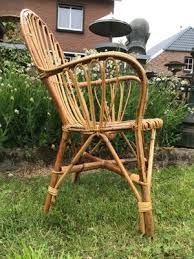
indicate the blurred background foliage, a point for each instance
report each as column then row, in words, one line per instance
column 28, row 117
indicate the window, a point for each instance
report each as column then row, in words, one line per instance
column 72, row 55
column 70, row 18
column 188, row 63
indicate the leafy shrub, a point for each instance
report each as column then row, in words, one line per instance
column 164, row 102
column 16, row 58
column 11, row 31
column 28, row 117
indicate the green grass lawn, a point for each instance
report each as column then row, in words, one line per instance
column 96, row 218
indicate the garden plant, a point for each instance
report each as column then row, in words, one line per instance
column 28, row 118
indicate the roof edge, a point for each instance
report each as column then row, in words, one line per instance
column 179, row 34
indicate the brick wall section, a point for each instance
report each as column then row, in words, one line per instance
column 47, row 10
column 157, row 64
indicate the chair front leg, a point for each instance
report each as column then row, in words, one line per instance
column 145, row 209
column 57, row 167
column 145, row 206
column 124, row 172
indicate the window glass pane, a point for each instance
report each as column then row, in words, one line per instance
column 63, row 17
column 188, row 63
column 76, row 18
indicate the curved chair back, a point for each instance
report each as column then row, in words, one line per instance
column 44, row 49
column 93, row 92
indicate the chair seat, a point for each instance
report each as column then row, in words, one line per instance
column 147, row 124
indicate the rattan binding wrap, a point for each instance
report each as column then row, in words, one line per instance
column 52, row 191
column 144, row 206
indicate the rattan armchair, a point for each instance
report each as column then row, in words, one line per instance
column 92, row 95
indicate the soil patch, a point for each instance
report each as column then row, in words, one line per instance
column 39, row 161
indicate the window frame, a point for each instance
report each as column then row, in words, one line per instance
column 62, row 4
column 186, row 64
column 71, row 55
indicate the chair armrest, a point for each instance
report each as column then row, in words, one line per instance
column 45, row 73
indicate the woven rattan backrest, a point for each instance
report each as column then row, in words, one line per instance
column 92, row 91
column 44, row 49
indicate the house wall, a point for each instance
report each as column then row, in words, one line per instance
column 47, row 10
column 157, row 64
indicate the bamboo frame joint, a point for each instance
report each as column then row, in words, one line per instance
column 64, row 129
column 144, row 206
column 134, row 177
column 56, row 172
column 52, row 191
